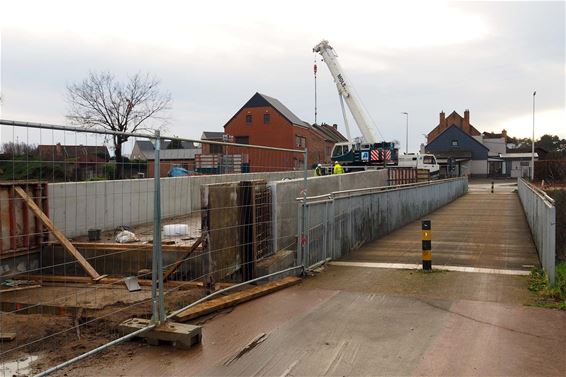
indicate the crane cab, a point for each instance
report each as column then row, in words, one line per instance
column 343, row 152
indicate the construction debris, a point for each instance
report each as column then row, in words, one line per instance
column 126, row 236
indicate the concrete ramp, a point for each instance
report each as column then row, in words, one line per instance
column 478, row 230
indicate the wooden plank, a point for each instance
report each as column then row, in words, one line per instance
column 25, row 222
column 127, row 246
column 57, row 233
column 235, row 298
column 107, row 280
column 23, row 288
column 7, row 336
column 12, row 216
column 176, row 265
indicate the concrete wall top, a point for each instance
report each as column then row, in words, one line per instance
column 76, row 207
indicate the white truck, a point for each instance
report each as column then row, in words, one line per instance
column 420, row 161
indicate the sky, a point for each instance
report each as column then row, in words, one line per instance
column 416, row 57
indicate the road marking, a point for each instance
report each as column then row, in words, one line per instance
column 408, row 266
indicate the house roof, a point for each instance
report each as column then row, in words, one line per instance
column 462, row 132
column 85, row 153
column 262, row 100
column 147, row 148
column 212, row 135
column 330, row 133
column 174, row 154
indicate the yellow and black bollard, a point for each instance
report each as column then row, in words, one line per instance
column 427, row 247
column 492, row 187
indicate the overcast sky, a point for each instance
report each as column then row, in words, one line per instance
column 419, row 58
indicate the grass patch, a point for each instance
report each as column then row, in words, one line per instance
column 549, row 296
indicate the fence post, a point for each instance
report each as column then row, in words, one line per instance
column 158, row 308
column 304, row 210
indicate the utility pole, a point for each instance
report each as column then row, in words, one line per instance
column 533, row 142
column 407, row 134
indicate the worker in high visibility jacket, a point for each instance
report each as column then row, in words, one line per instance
column 338, row 169
column 318, row 170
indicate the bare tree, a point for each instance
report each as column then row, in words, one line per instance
column 100, row 101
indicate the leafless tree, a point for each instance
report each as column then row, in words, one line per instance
column 15, row 149
column 101, row 101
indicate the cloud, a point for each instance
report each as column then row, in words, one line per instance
column 419, row 58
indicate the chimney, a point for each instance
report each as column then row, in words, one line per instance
column 466, row 122
column 504, row 133
column 335, row 126
column 442, row 122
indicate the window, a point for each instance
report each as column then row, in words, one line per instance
column 454, row 143
column 525, row 163
column 242, row 139
column 249, row 118
column 428, row 160
column 300, row 142
column 266, row 118
column 216, row 149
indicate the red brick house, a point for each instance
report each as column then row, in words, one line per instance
column 454, row 118
column 80, row 162
column 264, row 120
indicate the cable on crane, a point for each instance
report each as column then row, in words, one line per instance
column 315, row 94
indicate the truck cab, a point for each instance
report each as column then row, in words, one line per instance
column 420, row 161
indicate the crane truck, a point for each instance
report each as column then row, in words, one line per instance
column 368, row 152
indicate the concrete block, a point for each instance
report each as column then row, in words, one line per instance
column 180, row 335
column 281, row 260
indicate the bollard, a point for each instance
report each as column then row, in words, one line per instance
column 427, row 247
column 492, row 187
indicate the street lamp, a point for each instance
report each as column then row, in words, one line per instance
column 533, row 142
column 407, row 135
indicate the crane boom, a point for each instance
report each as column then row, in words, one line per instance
column 345, row 90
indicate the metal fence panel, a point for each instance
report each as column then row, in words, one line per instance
column 541, row 215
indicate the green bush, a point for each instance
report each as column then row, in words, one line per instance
column 549, row 296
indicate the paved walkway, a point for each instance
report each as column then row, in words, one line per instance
column 478, row 230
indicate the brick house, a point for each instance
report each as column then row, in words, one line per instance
column 473, row 153
column 79, row 161
column 455, row 139
column 264, row 120
column 213, row 136
column 182, row 154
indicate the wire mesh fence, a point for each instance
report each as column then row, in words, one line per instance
column 90, row 238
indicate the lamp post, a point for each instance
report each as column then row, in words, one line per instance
column 533, row 142
column 407, row 134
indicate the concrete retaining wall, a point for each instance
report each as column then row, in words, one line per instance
column 285, row 194
column 79, row 206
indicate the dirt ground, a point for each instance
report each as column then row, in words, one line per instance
column 56, row 338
